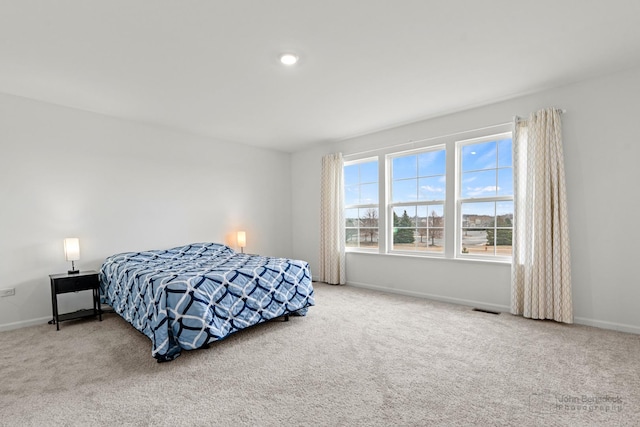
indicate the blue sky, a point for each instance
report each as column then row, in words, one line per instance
column 365, row 174
column 485, row 172
column 419, row 177
column 486, row 169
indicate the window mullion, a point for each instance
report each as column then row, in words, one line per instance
column 382, row 203
column 450, row 221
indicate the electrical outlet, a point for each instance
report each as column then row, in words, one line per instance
column 7, row 292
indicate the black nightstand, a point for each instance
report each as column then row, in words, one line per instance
column 83, row 281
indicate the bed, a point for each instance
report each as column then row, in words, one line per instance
column 187, row 297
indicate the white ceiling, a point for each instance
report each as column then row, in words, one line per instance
column 211, row 67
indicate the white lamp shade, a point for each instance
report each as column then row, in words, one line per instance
column 71, row 249
column 242, row 239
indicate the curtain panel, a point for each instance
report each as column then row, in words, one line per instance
column 332, row 236
column 541, row 266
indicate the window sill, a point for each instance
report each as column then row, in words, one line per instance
column 430, row 257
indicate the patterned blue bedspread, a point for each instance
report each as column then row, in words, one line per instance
column 189, row 296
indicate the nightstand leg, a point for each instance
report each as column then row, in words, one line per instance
column 96, row 303
column 54, row 306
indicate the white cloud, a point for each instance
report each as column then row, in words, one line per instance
column 482, row 191
column 432, row 189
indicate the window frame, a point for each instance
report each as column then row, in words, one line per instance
column 451, row 207
column 359, row 206
column 390, row 204
column 495, row 199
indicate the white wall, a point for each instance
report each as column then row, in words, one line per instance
column 601, row 157
column 121, row 186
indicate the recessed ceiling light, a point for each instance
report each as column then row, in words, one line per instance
column 288, row 58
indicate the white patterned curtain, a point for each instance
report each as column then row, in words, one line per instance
column 541, row 269
column 332, row 257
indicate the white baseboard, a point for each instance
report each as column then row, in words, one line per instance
column 458, row 301
column 24, row 324
column 602, row 324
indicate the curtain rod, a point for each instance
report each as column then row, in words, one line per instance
column 520, row 119
column 516, row 118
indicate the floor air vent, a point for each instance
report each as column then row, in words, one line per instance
column 481, row 310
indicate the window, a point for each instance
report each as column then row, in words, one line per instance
column 361, row 204
column 449, row 197
column 485, row 197
column 417, row 200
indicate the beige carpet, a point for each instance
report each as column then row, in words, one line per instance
column 359, row 358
